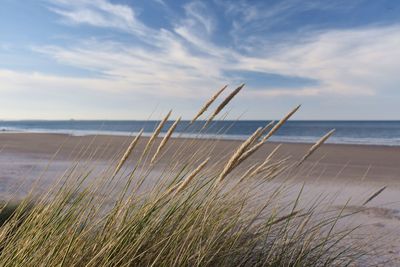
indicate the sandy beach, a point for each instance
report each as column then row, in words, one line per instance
column 331, row 163
column 24, row 155
column 348, row 172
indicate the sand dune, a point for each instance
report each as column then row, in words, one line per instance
column 347, row 172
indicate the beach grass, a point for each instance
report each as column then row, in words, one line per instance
column 161, row 207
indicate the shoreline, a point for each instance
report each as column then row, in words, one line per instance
column 221, row 137
column 352, row 161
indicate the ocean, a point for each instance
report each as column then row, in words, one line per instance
column 347, row 132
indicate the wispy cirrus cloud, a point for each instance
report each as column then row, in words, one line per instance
column 350, row 62
column 343, row 61
column 356, row 61
column 99, row 13
column 185, row 61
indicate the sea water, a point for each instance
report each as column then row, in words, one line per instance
column 347, row 132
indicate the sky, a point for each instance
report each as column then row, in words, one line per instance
column 127, row 59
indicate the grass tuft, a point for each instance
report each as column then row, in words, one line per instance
column 168, row 211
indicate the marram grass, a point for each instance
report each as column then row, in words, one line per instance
column 188, row 211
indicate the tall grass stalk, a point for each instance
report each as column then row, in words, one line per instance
column 168, row 212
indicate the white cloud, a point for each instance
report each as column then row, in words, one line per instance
column 161, row 2
column 100, row 13
column 172, row 71
column 196, row 13
column 355, row 61
column 15, row 80
column 278, row 92
column 5, row 46
column 181, row 63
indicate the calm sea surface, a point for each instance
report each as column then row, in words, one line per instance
column 347, row 132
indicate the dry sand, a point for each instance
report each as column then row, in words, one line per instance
column 345, row 171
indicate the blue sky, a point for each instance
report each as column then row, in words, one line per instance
column 126, row 59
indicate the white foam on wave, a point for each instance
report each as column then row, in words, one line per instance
column 284, row 139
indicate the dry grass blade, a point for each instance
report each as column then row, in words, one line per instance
column 156, row 132
column 128, row 152
column 284, row 218
column 253, row 149
column 280, row 123
column 224, row 103
column 165, row 139
column 267, row 127
column 263, row 131
column 316, row 146
column 234, row 160
column 208, row 104
column 267, row 160
column 374, row 195
column 183, row 184
column 190, row 177
column 173, row 214
column 247, row 173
